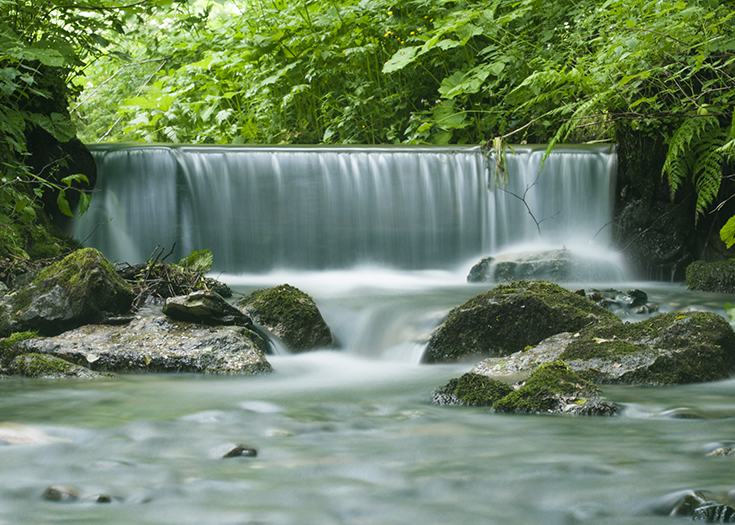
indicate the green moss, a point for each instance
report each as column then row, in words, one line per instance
column 41, row 365
column 7, row 346
column 71, row 272
column 716, row 276
column 34, row 241
column 611, row 341
column 280, row 303
column 511, row 317
column 472, row 389
column 541, row 391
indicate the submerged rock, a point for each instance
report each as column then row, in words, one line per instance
column 291, row 315
column 551, row 265
column 509, row 318
column 668, row 349
column 697, row 505
column 154, row 344
column 241, row 451
column 82, row 288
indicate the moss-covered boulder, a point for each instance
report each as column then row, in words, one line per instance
column 716, row 276
column 80, row 289
column 291, row 315
column 50, row 367
column 673, row 348
column 509, row 318
column 153, row 344
column 554, row 387
column 471, row 389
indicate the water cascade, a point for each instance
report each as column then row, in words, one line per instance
column 378, row 237
column 315, row 208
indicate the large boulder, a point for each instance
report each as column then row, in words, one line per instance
column 509, row 318
column 552, row 265
column 291, row 315
column 150, row 344
column 668, row 349
column 82, row 288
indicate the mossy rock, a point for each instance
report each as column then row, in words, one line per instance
column 50, row 367
column 291, row 315
column 673, row 348
column 554, row 387
column 156, row 344
column 9, row 349
column 511, row 317
column 716, row 276
column 80, row 289
column 471, row 389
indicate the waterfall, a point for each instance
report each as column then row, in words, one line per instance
column 260, row 208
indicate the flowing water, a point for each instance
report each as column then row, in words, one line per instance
column 350, row 436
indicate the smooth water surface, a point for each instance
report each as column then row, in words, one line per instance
column 351, row 437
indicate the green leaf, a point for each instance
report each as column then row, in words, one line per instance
column 198, row 261
column 77, row 177
column 730, row 312
column 63, row 204
column 727, row 233
column 400, row 59
column 84, row 200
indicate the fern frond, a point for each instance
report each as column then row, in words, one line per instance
column 679, row 163
column 707, row 172
column 593, row 106
column 696, row 153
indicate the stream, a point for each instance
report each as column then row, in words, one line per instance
column 351, row 436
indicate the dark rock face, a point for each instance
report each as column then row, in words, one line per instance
column 509, row 318
column 553, row 265
column 205, row 307
column 552, row 388
column 82, row 288
column 669, row 349
column 657, row 239
column 152, row 344
column 716, row 276
column 291, row 315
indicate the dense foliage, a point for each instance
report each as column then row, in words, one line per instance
column 376, row 71
column 423, row 71
column 43, row 46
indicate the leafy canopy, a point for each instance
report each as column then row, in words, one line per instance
column 420, row 71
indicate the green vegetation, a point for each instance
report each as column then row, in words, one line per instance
column 376, row 71
column 472, row 389
column 545, row 389
column 419, row 71
column 718, row 276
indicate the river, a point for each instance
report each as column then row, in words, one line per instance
column 351, row 436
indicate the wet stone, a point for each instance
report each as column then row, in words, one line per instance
column 241, row 451
column 61, row 493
